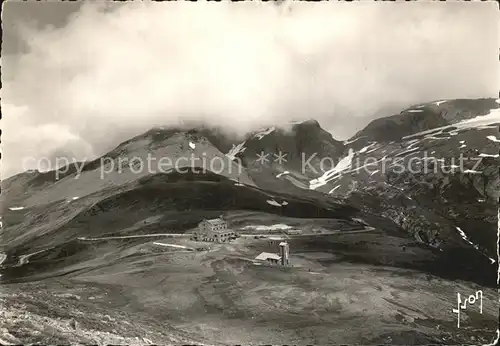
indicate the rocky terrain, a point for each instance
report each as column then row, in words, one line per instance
column 432, row 169
column 390, row 225
column 159, row 150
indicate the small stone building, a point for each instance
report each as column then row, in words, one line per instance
column 214, row 230
column 284, row 253
column 269, row 257
column 282, row 258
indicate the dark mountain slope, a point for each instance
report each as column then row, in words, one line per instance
column 179, row 200
column 300, row 140
column 157, row 136
column 424, row 117
column 442, row 209
column 174, row 203
column 303, row 147
column 440, row 184
column 156, row 151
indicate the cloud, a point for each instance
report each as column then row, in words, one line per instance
column 113, row 72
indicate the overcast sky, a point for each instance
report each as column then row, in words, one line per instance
column 79, row 79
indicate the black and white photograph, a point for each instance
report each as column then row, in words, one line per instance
column 250, row 173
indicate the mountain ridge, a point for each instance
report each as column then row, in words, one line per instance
column 345, row 175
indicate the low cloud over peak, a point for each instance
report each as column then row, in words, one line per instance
column 113, row 71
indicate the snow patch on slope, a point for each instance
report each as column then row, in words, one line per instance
column 488, row 155
column 366, row 148
column 16, row 208
column 261, row 134
column 283, row 173
column 493, row 139
column 492, row 117
column 276, row 227
column 477, row 122
column 464, row 237
column 351, row 141
column 344, row 164
column 335, row 188
column 412, row 143
column 276, row 204
column 235, row 150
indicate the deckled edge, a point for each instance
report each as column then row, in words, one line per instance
column 1, row 103
column 497, row 337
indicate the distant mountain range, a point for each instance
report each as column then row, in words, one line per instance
column 430, row 172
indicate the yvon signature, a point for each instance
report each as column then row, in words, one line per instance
column 462, row 305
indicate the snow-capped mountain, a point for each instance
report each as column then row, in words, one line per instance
column 396, row 196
